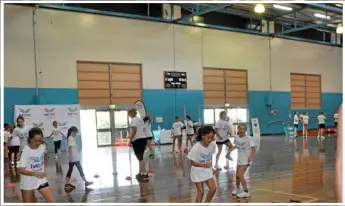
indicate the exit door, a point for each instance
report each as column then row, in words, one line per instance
column 112, row 126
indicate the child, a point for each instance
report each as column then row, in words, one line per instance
column 295, row 122
column 57, row 135
column 246, row 150
column 149, row 135
column 189, row 131
column 176, row 131
column 7, row 136
column 222, row 137
column 321, row 120
column 74, row 158
column 305, row 119
column 14, row 143
column 201, row 160
column 31, row 169
column 22, row 132
column 335, row 116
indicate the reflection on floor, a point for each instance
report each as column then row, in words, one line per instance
column 283, row 169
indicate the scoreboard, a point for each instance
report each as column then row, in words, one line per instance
column 175, row 80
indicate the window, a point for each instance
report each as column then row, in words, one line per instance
column 305, row 91
column 225, row 86
column 236, row 115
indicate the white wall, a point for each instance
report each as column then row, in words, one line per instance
column 65, row 37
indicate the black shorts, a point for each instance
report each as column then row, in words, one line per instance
column 335, row 124
column 14, row 149
column 296, row 125
column 44, row 185
column 322, row 126
column 190, row 135
column 149, row 138
column 139, row 146
column 5, row 144
column 224, row 142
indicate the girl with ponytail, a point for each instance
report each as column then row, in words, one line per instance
column 201, row 160
column 74, row 158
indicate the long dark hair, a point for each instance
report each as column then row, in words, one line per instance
column 70, row 130
column 204, row 131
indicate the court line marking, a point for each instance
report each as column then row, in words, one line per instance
column 285, row 193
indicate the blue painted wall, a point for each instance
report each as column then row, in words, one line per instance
column 169, row 103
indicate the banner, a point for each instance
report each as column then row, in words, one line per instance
column 43, row 116
column 256, row 132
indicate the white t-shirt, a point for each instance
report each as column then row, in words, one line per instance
column 295, row 119
column 189, row 127
column 201, row 154
column 223, row 129
column 321, row 119
column 32, row 160
column 75, row 156
column 148, row 131
column 177, row 128
column 23, row 134
column 7, row 135
column 335, row 117
column 244, row 146
column 305, row 119
column 56, row 133
column 140, row 125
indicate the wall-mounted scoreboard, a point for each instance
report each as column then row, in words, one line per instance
column 175, row 80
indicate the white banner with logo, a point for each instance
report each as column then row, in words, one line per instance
column 43, row 116
column 256, row 132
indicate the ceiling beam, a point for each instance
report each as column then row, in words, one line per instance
column 328, row 8
column 201, row 12
column 311, row 26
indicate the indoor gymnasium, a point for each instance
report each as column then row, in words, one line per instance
column 171, row 102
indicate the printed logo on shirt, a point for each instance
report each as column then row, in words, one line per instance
column 39, row 125
column 24, row 112
column 49, row 112
column 204, row 158
column 241, row 146
column 23, row 136
column 73, row 112
column 37, row 162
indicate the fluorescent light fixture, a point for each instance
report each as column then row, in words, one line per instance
column 339, row 5
column 259, row 8
column 281, row 7
column 340, row 29
column 321, row 16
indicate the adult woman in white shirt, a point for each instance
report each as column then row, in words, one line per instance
column 138, row 140
column 57, row 136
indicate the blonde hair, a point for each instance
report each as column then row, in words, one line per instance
column 242, row 124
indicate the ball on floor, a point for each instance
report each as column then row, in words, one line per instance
column 96, row 176
column 151, row 174
column 128, row 178
column 226, row 167
column 11, row 185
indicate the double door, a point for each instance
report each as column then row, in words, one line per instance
column 111, row 125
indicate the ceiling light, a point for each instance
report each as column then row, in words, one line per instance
column 339, row 29
column 339, row 5
column 282, row 7
column 321, row 16
column 259, row 8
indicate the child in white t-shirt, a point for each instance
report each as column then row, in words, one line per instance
column 189, row 132
column 74, row 158
column 321, row 121
column 305, row 120
column 31, row 168
column 176, row 133
column 201, row 163
column 246, row 150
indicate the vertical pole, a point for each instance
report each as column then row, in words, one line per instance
column 172, row 11
column 268, row 26
column 251, row 23
column 148, row 9
column 294, row 19
column 35, row 48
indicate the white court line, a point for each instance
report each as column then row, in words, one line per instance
column 285, row 193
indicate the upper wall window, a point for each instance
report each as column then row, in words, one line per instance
column 305, row 91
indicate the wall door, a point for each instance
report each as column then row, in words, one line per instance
column 104, row 128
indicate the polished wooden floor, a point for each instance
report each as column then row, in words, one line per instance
column 283, row 169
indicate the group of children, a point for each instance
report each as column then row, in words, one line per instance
column 304, row 118
column 27, row 152
column 208, row 140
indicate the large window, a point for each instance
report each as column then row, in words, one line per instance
column 236, row 115
column 305, row 91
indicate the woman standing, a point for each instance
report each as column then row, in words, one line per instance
column 57, row 136
column 139, row 141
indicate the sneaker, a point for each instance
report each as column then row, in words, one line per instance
column 55, row 157
column 59, row 152
column 244, row 194
column 235, row 192
column 216, row 167
column 228, row 157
